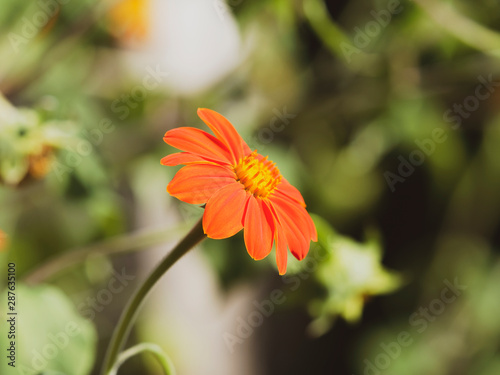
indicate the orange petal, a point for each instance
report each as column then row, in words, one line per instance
column 302, row 212
column 312, row 227
column 223, row 215
column 281, row 253
column 225, row 132
column 185, row 158
column 198, row 142
column 303, row 219
column 294, row 224
column 290, row 191
column 197, row 183
column 259, row 228
column 246, row 149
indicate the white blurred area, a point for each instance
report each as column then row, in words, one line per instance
column 196, row 41
column 187, row 313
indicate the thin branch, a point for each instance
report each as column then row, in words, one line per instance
column 121, row 244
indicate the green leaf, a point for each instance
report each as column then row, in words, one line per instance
column 50, row 336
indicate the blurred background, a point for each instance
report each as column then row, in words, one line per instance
column 384, row 113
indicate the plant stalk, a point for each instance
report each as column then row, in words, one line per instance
column 126, row 320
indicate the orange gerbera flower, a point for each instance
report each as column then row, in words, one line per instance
column 241, row 189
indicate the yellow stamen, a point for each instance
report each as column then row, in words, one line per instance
column 260, row 177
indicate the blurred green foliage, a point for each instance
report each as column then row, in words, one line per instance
column 351, row 274
column 49, row 332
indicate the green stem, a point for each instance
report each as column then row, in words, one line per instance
column 334, row 37
column 468, row 31
column 165, row 362
column 125, row 323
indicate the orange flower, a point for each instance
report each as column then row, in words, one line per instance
column 241, row 189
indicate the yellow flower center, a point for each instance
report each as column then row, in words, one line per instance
column 260, row 177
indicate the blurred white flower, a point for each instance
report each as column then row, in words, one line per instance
column 188, row 39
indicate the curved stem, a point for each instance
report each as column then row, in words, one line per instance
column 163, row 359
column 125, row 323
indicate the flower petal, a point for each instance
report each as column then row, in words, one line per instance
column 225, row 132
column 293, row 219
column 186, row 158
column 196, row 184
column 300, row 212
column 198, row 142
column 290, row 191
column 281, row 253
column 303, row 219
column 259, row 228
column 246, row 149
column 224, row 212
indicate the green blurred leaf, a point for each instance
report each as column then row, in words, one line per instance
column 50, row 335
column 353, row 273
